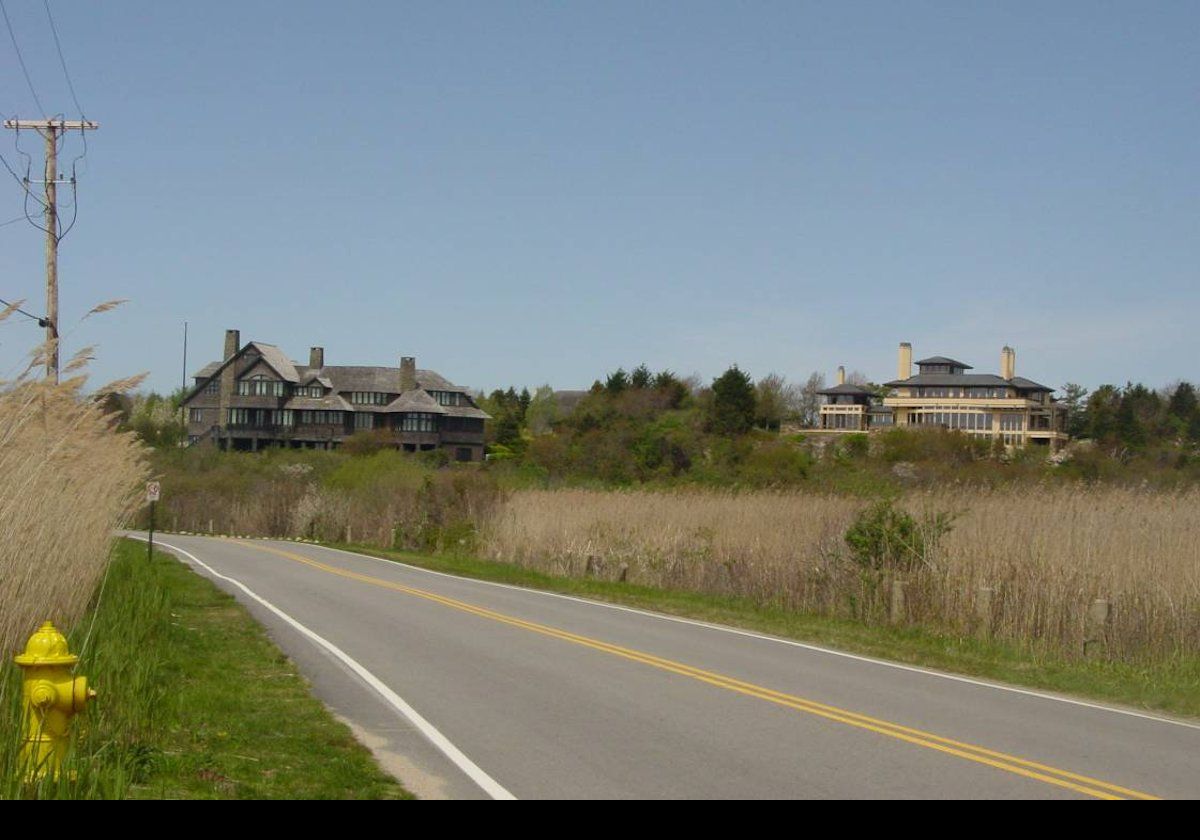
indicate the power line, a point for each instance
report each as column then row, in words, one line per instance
column 21, row 181
column 63, row 61
column 41, row 321
column 20, row 59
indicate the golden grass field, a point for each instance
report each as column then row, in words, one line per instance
column 1046, row 552
column 68, row 481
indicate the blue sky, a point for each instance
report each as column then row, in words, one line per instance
column 540, row 192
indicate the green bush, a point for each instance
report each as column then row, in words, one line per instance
column 775, row 464
column 885, row 538
column 856, row 446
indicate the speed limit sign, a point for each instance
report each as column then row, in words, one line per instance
column 153, row 491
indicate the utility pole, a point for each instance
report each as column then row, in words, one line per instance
column 51, row 130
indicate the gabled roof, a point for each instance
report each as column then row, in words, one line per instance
column 207, row 371
column 416, row 401
column 942, row 360
column 275, row 357
column 433, row 381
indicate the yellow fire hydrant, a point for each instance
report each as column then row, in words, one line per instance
column 53, row 696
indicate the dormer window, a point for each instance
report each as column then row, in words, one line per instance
column 313, row 390
column 448, row 397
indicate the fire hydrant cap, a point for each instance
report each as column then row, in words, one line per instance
column 46, row 647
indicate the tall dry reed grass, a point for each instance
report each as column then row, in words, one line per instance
column 388, row 499
column 68, row 480
column 1046, row 553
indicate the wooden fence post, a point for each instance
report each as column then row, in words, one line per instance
column 1099, row 616
column 898, row 609
column 983, row 611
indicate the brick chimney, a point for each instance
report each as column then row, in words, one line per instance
column 233, row 343
column 841, row 375
column 408, row 373
column 316, row 357
column 904, row 362
column 1008, row 362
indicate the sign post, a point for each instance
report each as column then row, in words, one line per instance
column 153, row 491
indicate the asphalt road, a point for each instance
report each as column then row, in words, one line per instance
column 468, row 689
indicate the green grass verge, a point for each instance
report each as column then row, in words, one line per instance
column 195, row 703
column 1171, row 686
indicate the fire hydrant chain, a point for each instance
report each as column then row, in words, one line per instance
column 53, row 696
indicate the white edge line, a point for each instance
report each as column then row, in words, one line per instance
column 751, row 634
column 489, row 785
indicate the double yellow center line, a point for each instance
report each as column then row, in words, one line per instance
column 970, row 752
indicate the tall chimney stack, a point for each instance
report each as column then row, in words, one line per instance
column 233, row 343
column 316, row 358
column 841, row 375
column 1008, row 362
column 408, row 373
column 904, row 362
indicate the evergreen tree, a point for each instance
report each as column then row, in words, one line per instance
column 617, row 382
column 733, row 404
column 1102, row 407
column 1182, row 403
column 641, row 378
column 675, row 389
column 1129, row 429
column 1073, row 399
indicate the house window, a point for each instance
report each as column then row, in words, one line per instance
column 363, row 420
column 260, row 386
column 320, row 418
column 212, row 386
column 284, row 417
column 448, row 397
column 418, row 422
column 370, row 398
column 308, row 391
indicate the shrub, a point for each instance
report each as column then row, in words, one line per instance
column 883, row 537
column 775, row 464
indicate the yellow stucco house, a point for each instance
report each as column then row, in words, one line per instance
column 1005, row 407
